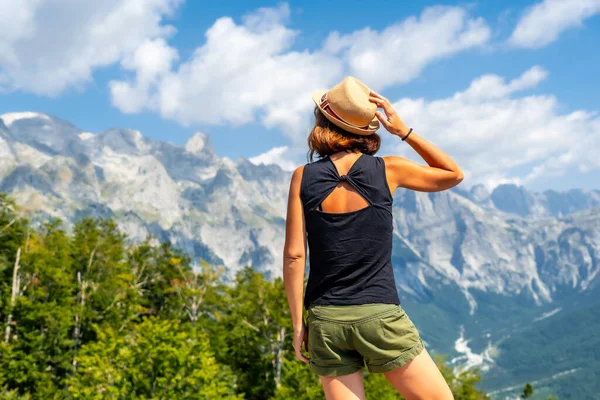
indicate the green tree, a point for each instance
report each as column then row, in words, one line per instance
column 463, row 384
column 527, row 391
column 156, row 359
column 38, row 355
column 258, row 334
column 298, row 382
column 157, row 270
column 6, row 394
column 379, row 388
column 14, row 229
column 104, row 278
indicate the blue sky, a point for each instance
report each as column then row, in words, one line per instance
column 422, row 54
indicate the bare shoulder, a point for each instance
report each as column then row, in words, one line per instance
column 395, row 162
column 403, row 172
column 397, row 167
column 296, row 179
column 297, row 174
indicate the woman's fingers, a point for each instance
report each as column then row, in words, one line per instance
column 299, row 340
column 377, row 101
column 301, row 356
column 375, row 94
column 383, row 103
column 383, row 119
column 391, row 121
column 382, row 98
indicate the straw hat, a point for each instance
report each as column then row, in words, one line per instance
column 347, row 105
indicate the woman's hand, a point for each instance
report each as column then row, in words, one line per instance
column 391, row 121
column 299, row 338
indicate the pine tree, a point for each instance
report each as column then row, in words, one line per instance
column 527, row 391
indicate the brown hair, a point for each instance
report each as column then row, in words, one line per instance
column 326, row 138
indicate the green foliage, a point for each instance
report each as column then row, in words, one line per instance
column 298, row 382
column 527, row 391
column 156, row 359
column 13, row 233
column 257, row 332
column 377, row 387
column 12, row 395
column 463, row 384
column 13, row 227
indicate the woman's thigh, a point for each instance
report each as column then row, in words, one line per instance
column 345, row 387
column 420, row 379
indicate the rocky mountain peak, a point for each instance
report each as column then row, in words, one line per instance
column 197, row 143
column 10, row 118
column 43, row 132
column 129, row 141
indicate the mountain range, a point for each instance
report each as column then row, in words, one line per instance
column 503, row 279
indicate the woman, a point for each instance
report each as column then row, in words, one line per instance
column 341, row 206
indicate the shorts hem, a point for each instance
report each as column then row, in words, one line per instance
column 399, row 361
column 335, row 371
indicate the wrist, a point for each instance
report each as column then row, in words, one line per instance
column 402, row 131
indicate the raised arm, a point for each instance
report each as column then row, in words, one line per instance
column 294, row 261
column 441, row 173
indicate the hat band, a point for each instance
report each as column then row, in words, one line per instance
column 327, row 108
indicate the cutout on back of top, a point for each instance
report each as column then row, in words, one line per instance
column 344, row 198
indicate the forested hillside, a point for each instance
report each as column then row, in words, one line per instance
column 88, row 316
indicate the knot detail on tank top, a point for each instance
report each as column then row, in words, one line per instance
column 343, row 177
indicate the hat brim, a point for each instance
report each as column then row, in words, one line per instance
column 372, row 128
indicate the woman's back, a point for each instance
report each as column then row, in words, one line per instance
column 354, row 315
column 349, row 252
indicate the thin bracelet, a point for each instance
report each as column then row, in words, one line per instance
column 404, row 138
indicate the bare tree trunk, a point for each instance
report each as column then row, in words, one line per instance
column 16, row 283
column 278, row 359
column 193, row 295
column 77, row 331
column 275, row 346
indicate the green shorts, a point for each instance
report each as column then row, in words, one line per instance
column 342, row 339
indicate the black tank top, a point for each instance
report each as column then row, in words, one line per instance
column 349, row 253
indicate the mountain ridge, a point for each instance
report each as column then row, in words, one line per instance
column 470, row 264
column 193, row 197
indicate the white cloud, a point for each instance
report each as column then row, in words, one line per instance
column 241, row 74
column 493, row 86
column 542, row 23
column 277, row 155
column 47, row 46
column 249, row 72
column 151, row 60
column 489, row 130
column 398, row 53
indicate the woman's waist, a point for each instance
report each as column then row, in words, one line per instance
column 356, row 284
column 352, row 312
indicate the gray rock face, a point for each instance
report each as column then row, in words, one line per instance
column 520, row 201
column 507, row 242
